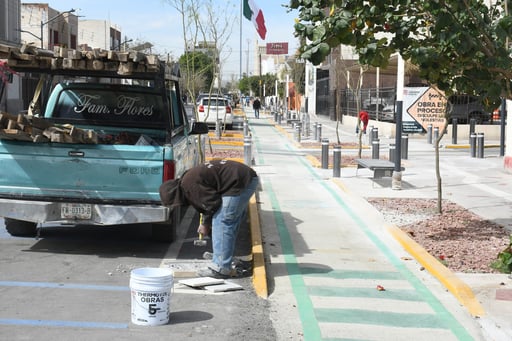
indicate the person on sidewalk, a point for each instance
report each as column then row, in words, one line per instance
column 220, row 190
column 363, row 116
column 256, row 105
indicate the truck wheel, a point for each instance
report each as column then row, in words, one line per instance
column 166, row 232
column 20, row 228
column 163, row 232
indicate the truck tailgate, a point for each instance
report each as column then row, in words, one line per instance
column 89, row 173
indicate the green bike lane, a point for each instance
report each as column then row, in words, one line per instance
column 334, row 273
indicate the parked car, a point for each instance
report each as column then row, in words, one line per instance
column 465, row 108
column 388, row 113
column 212, row 109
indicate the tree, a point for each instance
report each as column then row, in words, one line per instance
column 458, row 45
column 200, row 72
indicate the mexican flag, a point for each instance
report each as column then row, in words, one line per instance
column 254, row 14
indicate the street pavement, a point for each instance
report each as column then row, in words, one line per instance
column 337, row 271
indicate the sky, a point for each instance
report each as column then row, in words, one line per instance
column 157, row 22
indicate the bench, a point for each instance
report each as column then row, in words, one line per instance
column 380, row 168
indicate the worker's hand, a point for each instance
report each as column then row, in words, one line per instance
column 204, row 229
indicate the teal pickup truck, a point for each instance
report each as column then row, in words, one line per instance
column 140, row 136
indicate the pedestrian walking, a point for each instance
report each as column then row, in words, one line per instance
column 256, row 105
column 220, row 190
column 363, row 117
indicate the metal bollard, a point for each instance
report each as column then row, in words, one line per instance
column 472, row 145
column 298, row 131
column 279, row 118
column 336, row 169
column 375, row 133
column 392, row 152
column 404, row 146
column 275, row 116
column 246, row 128
column 429, row 134
column 480, row 145
column 319, row 132
column 436, row 134
column 248, row 150
column 315, row 131
column 218, row 128
column 472, row 124
column 454, row 130
column 375, row 149
column 370, row 134
column 325, row 153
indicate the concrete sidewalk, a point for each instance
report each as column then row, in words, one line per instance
column 328, row 250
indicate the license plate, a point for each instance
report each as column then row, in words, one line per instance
column 76, row 211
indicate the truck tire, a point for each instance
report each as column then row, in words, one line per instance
column 166, row 232
column 20, row 228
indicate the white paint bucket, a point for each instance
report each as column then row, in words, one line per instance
column 151, row 290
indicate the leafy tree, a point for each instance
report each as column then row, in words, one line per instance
column 458, row 45
column 200, row 71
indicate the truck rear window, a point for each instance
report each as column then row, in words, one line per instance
column 107, row 106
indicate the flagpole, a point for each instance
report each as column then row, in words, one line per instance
column 241, row 16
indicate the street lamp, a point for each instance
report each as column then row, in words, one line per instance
column 52, row 19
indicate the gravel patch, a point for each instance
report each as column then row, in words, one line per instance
column 461, row 240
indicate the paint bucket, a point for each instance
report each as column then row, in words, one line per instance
column 151, row 290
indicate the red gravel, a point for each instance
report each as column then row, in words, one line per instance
column 460, row 239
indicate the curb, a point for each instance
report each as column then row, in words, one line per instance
column 457, row 287
column 259, row 274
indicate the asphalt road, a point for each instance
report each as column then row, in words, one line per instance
column 73, row 284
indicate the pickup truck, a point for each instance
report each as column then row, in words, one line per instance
column 96, row 144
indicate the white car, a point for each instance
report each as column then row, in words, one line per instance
column 211, row 109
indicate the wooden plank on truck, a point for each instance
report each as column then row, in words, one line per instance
column 15, row 134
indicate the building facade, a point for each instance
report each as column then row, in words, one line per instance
column 47, row 27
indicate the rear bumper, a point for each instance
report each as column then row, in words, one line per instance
column 45, row 212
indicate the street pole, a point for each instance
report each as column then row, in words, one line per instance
column 50, row 20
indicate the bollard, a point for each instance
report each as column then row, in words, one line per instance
column 480, row 145
column 325, row 153
column 370, row 134
column 315, row 131
column 336, row 169
column 218, row 128
column 375, row 132
column 275, row 116
column 375, row 149
column 454, row 130
column 246, row 128
column 298, row 132
column 472, row 145
column 429, row 134
column 436, row 134
column 319, row 132
column 279, row 118
column 472, row 124
column 392, row 152
column 404, row 146
column 248, row 150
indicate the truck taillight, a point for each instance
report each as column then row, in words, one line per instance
column 228, row 109
column 169, row 170
column 201, row 108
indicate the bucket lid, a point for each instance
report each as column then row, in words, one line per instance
column 152, row 272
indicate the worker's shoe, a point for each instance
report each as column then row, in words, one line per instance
column 209, row 272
